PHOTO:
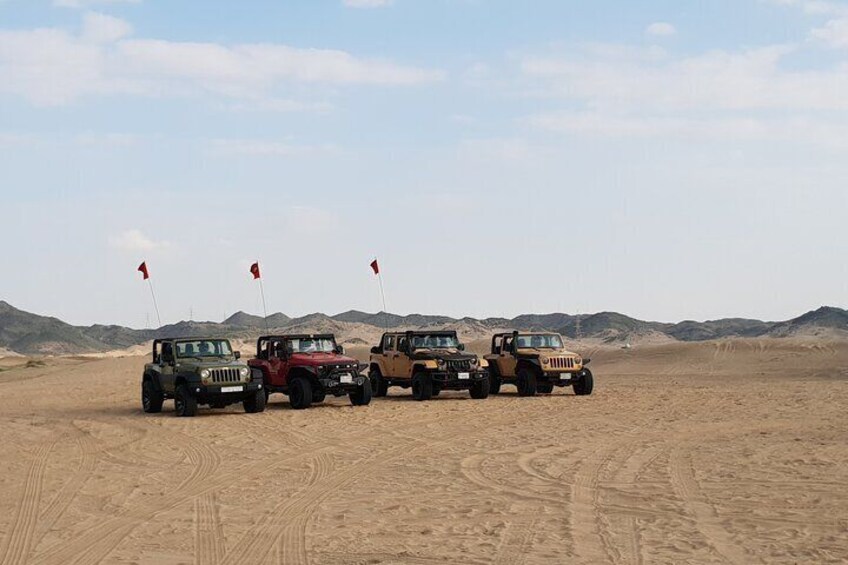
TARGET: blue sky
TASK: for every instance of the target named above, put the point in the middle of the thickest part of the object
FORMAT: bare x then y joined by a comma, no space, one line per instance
668,160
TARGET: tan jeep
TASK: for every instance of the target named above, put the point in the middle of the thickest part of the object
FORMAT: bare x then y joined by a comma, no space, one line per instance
428,362
536,362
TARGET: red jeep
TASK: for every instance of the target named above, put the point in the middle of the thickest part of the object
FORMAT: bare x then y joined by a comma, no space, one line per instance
307,368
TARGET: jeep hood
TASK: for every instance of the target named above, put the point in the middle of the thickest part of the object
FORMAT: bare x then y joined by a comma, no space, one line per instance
211,363
446,354
315,359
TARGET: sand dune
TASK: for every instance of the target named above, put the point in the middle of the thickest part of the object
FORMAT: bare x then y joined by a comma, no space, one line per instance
715,452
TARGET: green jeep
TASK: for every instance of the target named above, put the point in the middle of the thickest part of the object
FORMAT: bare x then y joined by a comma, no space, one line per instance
196,371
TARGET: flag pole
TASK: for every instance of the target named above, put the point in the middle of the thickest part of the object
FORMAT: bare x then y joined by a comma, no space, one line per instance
155,305
382,294
264,307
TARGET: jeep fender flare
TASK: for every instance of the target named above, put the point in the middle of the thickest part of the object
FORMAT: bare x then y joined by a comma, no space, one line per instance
153,378
372,366
420,367
308,373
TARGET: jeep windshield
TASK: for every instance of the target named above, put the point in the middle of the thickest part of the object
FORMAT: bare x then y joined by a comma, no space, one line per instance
311,345
436,341
204,348
539,341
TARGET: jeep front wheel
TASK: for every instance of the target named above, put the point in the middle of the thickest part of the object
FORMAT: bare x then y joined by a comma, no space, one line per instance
585,384
480,389
151,399
379,385
185,404
362,396
255,403
422,386
300,393
494,383
526,382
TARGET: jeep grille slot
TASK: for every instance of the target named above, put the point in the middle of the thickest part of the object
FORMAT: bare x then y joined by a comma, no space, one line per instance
562,363
463,366
224,375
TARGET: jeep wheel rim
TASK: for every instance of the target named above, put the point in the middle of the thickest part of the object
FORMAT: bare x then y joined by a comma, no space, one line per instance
296,395
179,405
145,397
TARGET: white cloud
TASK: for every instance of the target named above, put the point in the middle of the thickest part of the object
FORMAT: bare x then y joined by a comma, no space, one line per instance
661,29
53,67
834,33
88,3
262,148
134,240
100,28
367,3
717,80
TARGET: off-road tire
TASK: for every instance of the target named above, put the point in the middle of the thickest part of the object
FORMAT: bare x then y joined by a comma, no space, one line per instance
151,399
584,385
255,403
362,396
379,385
318,396
544,388
525,381
300,393
422,386
437,390
185,403
480,389
494,382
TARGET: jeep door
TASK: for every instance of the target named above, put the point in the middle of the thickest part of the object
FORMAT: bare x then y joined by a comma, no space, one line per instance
389,355
167,364
402,363
277,362
506,359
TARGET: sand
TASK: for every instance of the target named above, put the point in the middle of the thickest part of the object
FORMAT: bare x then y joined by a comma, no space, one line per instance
733,451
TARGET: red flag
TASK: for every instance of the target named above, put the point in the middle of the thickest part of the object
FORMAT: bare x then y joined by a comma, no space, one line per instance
143,270
375,266
254,270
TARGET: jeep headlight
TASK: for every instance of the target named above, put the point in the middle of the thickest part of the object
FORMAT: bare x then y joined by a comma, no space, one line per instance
474,361
244,371
204,374
544,360
578,360
441,363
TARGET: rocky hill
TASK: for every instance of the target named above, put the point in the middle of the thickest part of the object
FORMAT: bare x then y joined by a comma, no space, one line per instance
25,333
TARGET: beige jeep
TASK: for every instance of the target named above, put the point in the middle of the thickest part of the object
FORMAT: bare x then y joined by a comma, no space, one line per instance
428,362
536,362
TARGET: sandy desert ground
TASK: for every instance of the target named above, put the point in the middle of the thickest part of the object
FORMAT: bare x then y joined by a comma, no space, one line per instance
717,452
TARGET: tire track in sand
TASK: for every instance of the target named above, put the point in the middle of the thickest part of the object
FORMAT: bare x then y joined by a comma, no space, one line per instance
706,520
19,541
208,534
96,543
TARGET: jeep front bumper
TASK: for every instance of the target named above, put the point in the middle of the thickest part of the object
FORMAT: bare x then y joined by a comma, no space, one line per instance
339,383
234,390
453,381
559,378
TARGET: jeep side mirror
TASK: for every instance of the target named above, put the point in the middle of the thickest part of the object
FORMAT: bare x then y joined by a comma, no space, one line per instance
237,354
461,347
375,350
339,349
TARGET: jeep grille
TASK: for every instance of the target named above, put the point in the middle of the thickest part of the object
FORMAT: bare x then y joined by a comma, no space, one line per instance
463,366
224,375
562,363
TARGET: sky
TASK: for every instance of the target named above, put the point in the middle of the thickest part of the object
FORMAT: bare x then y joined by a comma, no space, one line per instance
668,160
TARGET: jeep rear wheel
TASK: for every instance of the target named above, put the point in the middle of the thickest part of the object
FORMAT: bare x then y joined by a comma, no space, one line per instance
422,386
526,382
480,389
544,388
379,385
585,384
300,393
151,399
362,396
185,404
255,403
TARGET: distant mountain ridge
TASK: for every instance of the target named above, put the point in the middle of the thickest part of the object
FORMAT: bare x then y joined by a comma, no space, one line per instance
28,334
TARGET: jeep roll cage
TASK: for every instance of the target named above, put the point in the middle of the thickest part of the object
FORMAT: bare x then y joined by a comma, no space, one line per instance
160,341
409,334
